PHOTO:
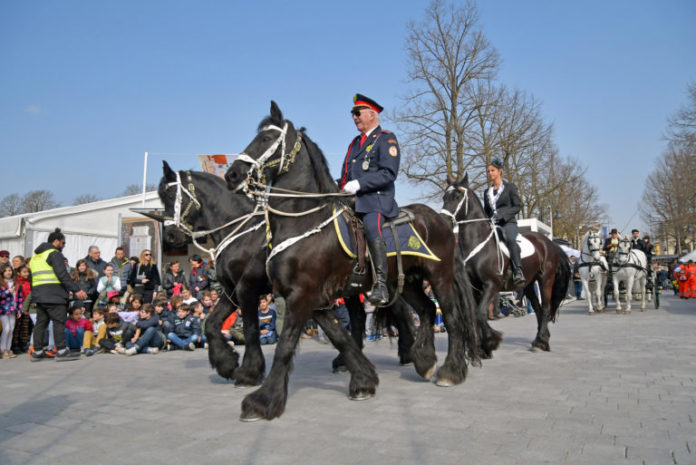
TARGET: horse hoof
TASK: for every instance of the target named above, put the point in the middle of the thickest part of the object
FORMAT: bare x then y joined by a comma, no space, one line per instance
429,374
591,312
361,396
444,383
243,386
250,418
534,349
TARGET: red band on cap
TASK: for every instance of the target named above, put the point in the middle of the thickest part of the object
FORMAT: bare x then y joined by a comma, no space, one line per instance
362,103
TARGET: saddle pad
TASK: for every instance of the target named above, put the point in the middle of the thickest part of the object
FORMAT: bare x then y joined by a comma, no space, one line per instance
409,240
526,247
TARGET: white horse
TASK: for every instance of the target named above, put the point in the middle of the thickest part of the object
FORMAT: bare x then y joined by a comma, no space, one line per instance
629,265
593,270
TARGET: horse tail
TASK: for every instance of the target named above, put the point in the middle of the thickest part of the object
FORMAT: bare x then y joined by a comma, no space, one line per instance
561,281
466,306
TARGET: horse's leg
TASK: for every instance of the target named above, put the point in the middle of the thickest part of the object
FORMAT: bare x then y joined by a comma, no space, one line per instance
642,283
253,366
629,292
490,338
223,358
542,311
363,380
400,314
356,311
269,400
615,281
453,371
423,351
601,283
588,292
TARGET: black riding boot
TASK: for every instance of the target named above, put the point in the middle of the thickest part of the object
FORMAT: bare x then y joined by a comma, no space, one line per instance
378,253
518,280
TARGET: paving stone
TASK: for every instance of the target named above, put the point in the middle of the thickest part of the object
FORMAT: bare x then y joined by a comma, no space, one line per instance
614,389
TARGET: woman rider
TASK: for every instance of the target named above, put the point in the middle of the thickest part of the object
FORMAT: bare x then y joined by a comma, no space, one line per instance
501,202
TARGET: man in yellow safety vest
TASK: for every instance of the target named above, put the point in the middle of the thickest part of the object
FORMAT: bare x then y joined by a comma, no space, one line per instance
51,287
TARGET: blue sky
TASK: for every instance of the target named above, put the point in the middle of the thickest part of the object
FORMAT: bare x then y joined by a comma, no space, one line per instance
88,86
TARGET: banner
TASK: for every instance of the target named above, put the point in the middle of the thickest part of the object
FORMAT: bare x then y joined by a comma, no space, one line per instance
216,164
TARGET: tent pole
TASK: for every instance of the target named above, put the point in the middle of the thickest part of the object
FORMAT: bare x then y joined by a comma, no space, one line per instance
144,178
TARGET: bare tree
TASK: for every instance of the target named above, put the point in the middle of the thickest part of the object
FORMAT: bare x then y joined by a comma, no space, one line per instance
11,205
669,198
134,189
39,200
85,198
448,57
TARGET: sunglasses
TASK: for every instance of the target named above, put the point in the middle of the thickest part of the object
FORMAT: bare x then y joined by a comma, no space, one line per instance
355,112
147,255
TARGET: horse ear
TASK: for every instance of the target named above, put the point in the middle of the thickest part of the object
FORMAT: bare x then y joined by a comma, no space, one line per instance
276,114
450,180
169,174
465,180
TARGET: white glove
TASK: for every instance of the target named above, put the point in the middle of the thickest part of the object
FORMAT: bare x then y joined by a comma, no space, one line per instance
352,187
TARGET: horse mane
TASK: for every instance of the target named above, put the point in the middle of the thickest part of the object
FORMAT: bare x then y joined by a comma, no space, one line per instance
321,169
475,201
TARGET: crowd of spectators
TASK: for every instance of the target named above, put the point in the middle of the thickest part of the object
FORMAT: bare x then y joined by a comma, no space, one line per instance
129,309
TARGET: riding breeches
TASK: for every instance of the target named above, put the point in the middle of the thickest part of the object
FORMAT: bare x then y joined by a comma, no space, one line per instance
510,235
373,222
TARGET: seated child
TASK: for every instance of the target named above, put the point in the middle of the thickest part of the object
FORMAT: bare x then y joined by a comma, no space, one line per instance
117,333
147,338
198,313
188,298
113,297
267,322
77,326
166,316
232,328
207,301
90,344
186,330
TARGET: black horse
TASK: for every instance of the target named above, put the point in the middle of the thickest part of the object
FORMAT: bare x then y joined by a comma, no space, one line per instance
240,266
548,266
314,271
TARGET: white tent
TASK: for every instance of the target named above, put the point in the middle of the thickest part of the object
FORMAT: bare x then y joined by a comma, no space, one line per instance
95,223
690,256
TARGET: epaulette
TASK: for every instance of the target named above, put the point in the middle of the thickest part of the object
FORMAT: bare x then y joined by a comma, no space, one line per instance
386,131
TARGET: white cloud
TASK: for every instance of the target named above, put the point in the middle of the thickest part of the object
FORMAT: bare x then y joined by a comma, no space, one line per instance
33,109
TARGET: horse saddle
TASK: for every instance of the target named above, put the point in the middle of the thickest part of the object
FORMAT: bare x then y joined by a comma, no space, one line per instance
526,247
407,238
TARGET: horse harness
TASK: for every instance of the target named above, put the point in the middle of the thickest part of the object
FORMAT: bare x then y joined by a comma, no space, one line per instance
594,262
455,228
260,190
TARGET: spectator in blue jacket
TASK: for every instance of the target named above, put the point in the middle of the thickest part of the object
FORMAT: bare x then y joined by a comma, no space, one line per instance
267,322
147,338
186,331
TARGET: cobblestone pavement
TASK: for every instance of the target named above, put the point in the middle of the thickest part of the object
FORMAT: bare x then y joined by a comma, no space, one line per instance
615,389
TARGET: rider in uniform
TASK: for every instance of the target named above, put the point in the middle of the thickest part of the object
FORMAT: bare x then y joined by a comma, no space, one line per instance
369,171
501,202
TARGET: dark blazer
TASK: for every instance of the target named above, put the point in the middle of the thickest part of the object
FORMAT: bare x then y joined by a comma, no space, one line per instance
376,192
508,204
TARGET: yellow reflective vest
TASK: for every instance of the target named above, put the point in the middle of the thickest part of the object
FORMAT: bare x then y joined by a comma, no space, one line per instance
41,272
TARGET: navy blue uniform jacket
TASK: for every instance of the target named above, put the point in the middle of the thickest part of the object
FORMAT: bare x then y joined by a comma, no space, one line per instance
508,204
376,192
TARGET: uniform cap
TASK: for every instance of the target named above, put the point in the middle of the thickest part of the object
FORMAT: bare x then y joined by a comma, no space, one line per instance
360,101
